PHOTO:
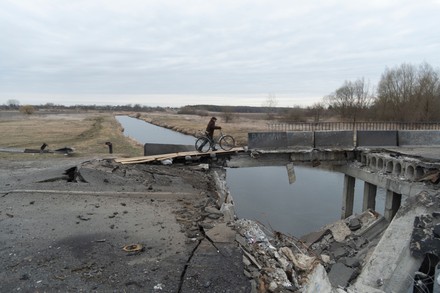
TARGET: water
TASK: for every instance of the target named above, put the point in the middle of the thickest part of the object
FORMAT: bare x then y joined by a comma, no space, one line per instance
264,193
314,200
145,132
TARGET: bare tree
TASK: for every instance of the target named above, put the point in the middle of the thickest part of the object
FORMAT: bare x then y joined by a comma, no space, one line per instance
409,93
13,103
316,110
270,104
351,99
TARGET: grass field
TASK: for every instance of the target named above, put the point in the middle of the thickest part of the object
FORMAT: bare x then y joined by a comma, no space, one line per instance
85,132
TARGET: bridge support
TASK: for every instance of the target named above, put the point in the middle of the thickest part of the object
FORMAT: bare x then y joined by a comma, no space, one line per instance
392,204
369,200
348,196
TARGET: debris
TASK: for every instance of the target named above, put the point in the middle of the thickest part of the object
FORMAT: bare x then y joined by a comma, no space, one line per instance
291,173
339,230
354,224
167,162
340,275
133,248
114,215
81,217
423,238
299,260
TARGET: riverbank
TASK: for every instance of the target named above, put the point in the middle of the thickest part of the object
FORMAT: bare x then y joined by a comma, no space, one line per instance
237,125
86,133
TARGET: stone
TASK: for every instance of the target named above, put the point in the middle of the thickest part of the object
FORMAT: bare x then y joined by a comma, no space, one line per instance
354,224
325,258
351,262
340,275
437,231
221,233
212,210
339,252
339,230
313,237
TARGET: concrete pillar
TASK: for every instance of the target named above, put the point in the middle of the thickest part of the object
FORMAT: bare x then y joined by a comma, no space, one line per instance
348,196
392,204
369,201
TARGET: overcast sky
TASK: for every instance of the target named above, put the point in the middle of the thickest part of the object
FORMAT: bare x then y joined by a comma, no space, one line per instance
175,53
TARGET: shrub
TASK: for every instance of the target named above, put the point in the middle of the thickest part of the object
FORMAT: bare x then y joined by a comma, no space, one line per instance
27,109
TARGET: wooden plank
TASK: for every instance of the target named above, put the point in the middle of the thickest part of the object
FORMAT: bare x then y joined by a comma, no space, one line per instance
146,159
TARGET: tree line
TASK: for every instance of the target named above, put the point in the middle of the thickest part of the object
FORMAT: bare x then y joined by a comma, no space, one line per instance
404,93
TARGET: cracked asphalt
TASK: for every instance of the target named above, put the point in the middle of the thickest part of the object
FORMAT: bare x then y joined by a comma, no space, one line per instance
65,221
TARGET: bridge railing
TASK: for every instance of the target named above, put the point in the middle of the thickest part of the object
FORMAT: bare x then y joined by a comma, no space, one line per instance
335,126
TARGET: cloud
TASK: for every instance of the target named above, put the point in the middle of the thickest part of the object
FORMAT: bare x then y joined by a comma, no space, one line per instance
212,48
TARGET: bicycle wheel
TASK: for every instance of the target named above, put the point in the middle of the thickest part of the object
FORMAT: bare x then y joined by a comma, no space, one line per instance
202,144
227,142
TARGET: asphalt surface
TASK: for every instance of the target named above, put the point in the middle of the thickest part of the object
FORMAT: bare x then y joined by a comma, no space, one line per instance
69,225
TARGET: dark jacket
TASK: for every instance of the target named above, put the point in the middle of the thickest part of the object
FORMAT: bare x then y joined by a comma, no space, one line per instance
211,127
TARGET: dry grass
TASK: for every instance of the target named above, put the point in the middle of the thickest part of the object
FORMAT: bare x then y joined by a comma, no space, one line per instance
86,133
238,127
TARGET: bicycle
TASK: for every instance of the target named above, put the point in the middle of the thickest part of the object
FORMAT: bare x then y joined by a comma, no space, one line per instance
204,143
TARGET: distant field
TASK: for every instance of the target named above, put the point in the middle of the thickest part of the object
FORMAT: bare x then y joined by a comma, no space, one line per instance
85,132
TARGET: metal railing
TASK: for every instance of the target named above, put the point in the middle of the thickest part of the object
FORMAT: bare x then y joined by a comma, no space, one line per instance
339,126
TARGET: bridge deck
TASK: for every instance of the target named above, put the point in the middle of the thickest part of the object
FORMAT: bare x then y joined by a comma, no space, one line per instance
161,157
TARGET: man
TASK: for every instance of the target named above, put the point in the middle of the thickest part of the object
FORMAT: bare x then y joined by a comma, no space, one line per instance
210,131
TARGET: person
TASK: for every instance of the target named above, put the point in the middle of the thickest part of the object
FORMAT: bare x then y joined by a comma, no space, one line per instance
210,131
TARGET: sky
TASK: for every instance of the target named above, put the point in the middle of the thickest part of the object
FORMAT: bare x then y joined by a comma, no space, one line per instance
187,52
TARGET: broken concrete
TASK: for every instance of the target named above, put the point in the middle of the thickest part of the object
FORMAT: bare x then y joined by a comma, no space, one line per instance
59,234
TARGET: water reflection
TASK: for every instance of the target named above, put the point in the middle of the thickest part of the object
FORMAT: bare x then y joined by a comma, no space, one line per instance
145,132
314,200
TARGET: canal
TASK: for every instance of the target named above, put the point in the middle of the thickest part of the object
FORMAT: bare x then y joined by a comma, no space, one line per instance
264,194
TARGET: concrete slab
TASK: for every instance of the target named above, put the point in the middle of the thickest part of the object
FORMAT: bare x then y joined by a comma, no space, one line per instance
334,139
390,265
221,233
313,237
202,273
340,274
376,138
418,137
267,140
300,139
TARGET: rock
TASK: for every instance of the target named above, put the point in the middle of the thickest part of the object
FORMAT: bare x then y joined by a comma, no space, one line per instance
325,258
339,252
212,210
351,262
340,275
437,231
221,233
339,230
354,224
300,261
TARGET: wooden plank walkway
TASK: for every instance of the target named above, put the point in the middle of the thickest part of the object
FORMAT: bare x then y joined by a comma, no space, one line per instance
156,158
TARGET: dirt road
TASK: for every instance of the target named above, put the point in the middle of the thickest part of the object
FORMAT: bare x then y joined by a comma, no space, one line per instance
91,225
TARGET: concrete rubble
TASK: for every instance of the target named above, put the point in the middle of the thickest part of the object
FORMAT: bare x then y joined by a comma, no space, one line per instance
191,206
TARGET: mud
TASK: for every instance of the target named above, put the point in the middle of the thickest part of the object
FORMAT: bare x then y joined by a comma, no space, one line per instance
64,223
